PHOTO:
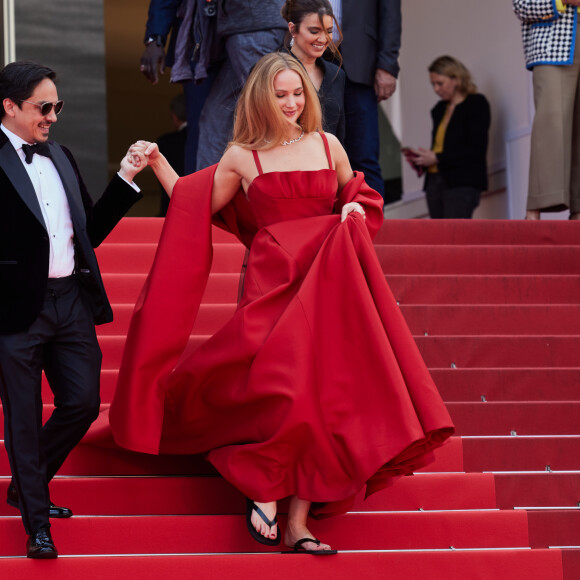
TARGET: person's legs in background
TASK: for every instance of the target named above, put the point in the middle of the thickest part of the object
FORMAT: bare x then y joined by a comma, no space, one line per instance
217,117
362,133
459,203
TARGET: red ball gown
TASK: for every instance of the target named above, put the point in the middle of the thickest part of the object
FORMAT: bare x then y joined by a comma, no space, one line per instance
315,386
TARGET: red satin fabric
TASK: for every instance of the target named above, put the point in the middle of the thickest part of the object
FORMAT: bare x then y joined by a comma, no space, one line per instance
315,387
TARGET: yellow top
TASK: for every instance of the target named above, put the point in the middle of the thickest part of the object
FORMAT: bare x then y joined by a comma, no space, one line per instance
438,142
561,7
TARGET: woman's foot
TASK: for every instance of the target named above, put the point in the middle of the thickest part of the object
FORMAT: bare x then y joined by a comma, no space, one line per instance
297,533
270,532
533,214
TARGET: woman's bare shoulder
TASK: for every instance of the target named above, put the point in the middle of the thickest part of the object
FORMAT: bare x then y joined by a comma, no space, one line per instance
236,161
235,155
336,149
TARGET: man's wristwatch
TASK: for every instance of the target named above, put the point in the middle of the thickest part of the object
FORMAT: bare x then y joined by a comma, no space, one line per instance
155,38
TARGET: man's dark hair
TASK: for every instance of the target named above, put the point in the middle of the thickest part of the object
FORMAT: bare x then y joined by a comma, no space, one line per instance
19,79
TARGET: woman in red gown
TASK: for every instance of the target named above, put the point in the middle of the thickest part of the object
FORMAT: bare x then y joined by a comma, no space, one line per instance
315,388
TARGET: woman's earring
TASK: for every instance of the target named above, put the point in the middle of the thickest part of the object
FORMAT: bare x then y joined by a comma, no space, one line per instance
291,42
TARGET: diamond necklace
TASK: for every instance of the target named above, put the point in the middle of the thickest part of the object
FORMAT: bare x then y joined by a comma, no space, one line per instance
293,140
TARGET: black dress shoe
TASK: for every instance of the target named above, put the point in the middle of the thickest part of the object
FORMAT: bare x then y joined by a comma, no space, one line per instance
40,545
54,511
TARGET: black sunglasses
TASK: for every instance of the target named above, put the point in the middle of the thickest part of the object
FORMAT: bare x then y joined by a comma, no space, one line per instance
46,108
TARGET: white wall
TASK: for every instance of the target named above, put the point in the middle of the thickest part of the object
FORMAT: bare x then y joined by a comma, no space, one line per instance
485,36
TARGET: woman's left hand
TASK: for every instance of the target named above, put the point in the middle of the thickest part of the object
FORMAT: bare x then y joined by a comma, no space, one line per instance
425,157
349,208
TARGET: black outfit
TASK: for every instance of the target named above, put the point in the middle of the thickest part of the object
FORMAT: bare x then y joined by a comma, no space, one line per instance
331,96
48,324
454,191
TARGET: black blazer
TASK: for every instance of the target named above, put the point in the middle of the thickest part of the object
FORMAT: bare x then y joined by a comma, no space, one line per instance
372,38
24,244
331,95
463,161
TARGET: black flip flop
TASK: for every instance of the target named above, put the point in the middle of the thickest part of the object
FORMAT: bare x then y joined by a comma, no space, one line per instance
252,507
298,549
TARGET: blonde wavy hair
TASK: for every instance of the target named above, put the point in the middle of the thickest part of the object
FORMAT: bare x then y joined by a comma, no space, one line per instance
259,121
454,69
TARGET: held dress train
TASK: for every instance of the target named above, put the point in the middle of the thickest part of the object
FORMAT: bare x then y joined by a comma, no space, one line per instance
315,386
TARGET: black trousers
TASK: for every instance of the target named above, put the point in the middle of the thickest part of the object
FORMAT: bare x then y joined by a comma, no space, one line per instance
62,342
449,202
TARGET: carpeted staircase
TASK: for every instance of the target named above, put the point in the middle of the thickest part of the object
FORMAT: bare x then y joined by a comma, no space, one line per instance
495,309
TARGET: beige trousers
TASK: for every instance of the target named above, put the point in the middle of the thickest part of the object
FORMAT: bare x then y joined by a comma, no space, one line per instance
555,150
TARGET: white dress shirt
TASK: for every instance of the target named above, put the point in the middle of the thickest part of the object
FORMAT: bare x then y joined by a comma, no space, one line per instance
54,206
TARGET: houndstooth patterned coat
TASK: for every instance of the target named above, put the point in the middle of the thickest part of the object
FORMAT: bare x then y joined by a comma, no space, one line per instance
548,35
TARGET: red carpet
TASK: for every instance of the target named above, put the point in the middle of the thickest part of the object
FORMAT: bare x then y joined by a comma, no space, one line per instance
494,307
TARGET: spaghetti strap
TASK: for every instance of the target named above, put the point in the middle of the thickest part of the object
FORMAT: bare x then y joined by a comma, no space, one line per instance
327,148
257,160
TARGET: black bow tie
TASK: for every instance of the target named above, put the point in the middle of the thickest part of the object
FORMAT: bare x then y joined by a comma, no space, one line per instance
39,148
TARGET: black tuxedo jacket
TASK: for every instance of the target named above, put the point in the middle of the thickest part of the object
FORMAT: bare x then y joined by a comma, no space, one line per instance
24,243
372,38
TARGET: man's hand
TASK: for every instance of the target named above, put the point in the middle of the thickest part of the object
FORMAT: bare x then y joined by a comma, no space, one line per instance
152,60
385,84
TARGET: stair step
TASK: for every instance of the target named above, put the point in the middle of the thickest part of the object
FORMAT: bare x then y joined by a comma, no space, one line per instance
412,232
521,453
228,533
467,384
501,384
443,351
487,418
521,417
422,319
124,288
148,230
112,348
527,490
441,259
467,288
454,564
93,460
499,351
184,495
554,528
212,495
477,232
480,319
138,257
210,318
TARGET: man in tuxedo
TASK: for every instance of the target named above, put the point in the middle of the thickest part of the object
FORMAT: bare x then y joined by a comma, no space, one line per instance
370,52
51,292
